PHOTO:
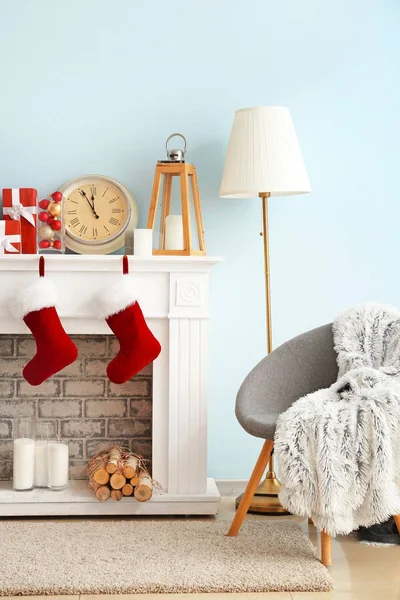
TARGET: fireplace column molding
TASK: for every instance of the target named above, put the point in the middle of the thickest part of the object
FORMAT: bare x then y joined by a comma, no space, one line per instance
188,341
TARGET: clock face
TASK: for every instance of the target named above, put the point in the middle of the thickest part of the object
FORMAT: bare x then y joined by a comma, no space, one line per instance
96,211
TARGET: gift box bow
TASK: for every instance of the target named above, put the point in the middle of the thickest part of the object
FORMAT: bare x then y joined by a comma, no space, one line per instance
7,241
17,210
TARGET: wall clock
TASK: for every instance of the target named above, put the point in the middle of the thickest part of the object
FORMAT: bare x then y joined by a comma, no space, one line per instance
99,212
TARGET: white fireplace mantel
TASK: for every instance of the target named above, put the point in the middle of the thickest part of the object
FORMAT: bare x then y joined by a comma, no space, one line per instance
174,295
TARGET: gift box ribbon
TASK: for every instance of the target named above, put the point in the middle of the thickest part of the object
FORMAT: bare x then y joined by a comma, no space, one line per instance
17,210
7,241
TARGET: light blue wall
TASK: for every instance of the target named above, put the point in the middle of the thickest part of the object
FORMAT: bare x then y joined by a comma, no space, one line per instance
96,86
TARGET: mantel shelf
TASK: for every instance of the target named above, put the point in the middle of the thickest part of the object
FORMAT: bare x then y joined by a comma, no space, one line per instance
165,286
108,263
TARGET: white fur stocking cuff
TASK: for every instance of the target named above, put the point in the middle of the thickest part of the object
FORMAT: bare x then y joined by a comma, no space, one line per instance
117,297
37,295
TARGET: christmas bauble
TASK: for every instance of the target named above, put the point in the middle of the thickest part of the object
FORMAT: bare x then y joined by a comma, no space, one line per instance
46,232
56,225
44,244
44,217
54,209
57,196
50,220
44,204
57,244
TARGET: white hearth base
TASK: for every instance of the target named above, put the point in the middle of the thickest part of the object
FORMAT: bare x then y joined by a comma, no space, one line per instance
79,500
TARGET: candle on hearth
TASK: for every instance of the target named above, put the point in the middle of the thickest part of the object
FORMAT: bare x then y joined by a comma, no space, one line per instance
143,242
24,454
24,464
174,233
41,463
44,431
57,465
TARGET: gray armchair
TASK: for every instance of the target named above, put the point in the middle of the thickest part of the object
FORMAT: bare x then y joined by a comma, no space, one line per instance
300,366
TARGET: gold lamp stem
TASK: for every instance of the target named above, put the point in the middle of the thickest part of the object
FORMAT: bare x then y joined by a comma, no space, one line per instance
264,196
265,500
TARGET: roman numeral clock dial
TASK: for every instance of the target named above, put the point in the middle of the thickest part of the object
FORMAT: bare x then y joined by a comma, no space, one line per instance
98,211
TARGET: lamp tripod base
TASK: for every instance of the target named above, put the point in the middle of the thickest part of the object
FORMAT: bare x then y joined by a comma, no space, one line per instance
265,500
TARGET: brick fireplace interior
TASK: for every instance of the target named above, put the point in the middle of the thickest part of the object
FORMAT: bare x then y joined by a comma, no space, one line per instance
88,410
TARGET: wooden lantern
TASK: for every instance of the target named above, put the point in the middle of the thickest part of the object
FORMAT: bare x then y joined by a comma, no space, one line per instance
166,170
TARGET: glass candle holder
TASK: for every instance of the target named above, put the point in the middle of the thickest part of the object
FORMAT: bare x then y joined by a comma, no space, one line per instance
51,226
44,432
57,465
24,454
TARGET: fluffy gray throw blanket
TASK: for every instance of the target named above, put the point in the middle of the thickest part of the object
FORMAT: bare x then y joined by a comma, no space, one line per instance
338,449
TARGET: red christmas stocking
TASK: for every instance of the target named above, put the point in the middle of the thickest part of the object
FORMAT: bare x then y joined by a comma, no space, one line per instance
138,346
54,349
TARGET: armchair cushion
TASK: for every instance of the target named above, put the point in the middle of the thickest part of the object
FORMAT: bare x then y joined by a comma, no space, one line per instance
300,366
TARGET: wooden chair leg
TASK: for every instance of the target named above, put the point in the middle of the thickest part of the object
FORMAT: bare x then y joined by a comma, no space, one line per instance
255,478
326,549
397,521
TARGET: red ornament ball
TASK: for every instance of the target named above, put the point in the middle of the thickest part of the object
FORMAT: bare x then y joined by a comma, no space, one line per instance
44,217
57,196
56,225
44,204
57,244
44,244
50,220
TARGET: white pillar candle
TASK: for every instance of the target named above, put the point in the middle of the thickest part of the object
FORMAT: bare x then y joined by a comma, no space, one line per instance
24,464
41,463
143,242
57,465
174,232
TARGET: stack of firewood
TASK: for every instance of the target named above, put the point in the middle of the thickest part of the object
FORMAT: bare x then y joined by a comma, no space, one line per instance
117,473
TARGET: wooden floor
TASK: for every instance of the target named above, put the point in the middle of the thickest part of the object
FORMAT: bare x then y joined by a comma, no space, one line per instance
359,572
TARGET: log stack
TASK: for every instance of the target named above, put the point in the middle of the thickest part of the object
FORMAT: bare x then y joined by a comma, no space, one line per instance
117,473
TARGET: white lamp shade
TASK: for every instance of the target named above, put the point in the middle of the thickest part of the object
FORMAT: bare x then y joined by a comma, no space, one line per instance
263,155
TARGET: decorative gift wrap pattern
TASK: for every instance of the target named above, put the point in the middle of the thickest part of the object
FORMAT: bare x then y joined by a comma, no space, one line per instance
19,204
10,237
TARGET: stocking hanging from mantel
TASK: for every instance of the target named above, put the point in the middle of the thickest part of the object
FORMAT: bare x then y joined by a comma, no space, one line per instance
122,312
35,304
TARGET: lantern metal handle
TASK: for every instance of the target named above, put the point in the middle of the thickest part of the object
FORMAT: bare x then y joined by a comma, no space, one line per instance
173,135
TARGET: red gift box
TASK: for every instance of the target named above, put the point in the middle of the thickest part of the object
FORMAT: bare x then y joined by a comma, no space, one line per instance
10,237
19,204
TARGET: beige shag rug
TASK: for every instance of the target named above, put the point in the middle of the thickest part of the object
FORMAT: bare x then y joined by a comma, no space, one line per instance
143,556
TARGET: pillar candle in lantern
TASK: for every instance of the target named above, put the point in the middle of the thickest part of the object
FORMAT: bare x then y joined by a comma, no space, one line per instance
174,233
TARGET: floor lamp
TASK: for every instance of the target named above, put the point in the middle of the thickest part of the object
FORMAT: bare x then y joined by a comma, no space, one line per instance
263,160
